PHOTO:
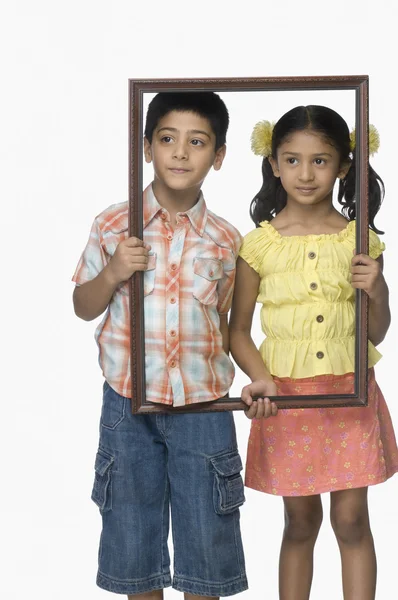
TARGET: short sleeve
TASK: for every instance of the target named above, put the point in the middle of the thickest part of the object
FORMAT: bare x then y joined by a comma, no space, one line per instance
93,260
252,249
376,246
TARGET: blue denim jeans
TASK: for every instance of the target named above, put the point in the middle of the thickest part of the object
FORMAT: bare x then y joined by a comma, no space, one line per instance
149,465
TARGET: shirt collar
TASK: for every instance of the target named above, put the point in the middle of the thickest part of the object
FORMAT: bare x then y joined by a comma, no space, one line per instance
197,214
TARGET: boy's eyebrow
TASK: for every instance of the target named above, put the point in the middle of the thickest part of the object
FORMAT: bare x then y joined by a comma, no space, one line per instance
194,131
316,154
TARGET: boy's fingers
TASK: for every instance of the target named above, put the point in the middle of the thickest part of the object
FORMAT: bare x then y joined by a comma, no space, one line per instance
134,242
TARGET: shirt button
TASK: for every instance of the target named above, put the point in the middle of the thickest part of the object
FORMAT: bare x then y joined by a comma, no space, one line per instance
173,267
173,300
311,255
320,355
169,237
211,273
319,318
163,216
173,364
313,285
173,333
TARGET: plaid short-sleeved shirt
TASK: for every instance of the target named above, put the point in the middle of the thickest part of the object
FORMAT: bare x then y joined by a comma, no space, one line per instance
188,284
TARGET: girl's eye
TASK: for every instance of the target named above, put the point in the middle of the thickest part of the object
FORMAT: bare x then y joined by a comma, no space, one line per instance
167,139
292,160
197,142
320,161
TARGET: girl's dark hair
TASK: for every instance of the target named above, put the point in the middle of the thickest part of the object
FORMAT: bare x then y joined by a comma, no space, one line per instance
205,104
272,197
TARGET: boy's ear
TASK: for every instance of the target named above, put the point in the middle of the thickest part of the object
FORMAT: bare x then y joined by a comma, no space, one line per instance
219,158
344,168
147,151
274,166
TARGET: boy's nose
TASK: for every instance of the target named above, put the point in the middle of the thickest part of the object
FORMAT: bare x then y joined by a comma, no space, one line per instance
180,151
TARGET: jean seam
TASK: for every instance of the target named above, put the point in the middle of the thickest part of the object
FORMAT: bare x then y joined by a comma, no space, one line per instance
238,554
163,513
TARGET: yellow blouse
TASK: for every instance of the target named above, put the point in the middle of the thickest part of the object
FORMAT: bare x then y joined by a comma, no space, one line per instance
308,303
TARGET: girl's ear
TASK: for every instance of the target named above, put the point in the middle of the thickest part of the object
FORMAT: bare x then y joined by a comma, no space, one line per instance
344,168
219,158
274,166
147,151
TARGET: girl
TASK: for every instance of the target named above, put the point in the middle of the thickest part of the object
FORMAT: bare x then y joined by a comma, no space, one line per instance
300,264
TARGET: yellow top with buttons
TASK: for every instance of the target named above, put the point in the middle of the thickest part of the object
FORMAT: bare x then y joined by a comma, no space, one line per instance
308,303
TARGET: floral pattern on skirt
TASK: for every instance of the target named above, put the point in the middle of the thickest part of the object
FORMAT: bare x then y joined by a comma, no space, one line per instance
308,451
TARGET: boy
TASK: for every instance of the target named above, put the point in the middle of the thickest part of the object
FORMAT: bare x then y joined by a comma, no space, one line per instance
190,462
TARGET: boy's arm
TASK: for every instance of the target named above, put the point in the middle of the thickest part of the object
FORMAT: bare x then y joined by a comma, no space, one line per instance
91,299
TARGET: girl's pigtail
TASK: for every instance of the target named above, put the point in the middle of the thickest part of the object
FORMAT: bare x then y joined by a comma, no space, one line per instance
270,199
347,197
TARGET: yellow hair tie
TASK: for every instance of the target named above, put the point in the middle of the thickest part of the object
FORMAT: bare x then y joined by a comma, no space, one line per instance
261,138
374,140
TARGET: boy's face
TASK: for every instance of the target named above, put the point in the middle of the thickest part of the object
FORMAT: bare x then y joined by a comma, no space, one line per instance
183,150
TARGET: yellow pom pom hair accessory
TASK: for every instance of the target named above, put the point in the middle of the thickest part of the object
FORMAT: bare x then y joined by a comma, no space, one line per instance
261,138
374,140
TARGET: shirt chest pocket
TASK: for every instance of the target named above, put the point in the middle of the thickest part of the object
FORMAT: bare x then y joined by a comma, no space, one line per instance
207,274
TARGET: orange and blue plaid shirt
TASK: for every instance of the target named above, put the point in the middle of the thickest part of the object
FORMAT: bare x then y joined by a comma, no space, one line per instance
188,284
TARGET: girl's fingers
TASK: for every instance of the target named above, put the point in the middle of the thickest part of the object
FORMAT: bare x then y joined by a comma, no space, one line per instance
252,411
363,259
361,269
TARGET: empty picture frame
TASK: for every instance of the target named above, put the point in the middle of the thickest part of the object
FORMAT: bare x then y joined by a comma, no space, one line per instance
139,91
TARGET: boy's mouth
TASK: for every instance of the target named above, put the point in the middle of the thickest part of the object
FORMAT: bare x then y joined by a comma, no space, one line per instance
179,171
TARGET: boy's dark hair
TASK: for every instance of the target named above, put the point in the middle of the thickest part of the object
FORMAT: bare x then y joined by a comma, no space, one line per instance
205,104
272,197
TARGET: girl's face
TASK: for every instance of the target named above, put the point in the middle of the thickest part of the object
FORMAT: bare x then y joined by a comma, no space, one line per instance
308,167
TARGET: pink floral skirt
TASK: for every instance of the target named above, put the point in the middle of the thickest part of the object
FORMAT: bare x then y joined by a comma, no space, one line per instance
308,451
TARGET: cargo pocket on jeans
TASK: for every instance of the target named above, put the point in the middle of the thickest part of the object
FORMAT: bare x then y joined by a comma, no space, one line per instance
102,489
228,491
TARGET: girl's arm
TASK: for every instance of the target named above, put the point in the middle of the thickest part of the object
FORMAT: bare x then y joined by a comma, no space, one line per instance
243,349
367,274
224,333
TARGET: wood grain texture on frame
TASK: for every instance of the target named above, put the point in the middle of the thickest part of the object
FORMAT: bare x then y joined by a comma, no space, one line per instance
137,88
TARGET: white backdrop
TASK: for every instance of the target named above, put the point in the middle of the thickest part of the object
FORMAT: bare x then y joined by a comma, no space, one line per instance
63,152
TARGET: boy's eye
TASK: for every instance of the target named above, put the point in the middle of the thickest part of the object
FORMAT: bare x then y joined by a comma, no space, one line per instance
292,160
167,139
320,161
197,142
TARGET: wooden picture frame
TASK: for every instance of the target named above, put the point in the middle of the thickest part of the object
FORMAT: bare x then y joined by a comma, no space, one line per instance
137,87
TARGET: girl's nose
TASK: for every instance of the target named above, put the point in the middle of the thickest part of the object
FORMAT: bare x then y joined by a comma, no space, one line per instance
306,172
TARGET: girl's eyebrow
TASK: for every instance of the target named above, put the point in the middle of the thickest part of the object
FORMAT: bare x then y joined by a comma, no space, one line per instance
316,154
191,131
